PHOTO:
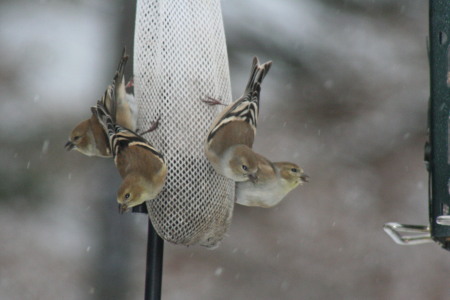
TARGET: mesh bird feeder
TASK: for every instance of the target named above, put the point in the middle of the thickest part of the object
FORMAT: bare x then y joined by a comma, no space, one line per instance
437,150
180,57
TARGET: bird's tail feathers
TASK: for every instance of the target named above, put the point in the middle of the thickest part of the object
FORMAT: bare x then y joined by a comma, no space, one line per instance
253,74
262,71
257,74
115,86
121,67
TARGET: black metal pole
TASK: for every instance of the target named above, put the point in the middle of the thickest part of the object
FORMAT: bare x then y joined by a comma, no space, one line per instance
437,150
153,272
154,264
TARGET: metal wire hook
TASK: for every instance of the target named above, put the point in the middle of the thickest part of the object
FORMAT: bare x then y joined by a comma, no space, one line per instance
404,234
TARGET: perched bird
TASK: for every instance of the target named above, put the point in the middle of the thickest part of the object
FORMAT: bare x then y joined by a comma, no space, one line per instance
274,182
231,136
141,166
88,137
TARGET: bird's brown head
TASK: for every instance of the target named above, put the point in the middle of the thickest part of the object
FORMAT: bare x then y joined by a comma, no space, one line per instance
291,173
244,164
78,137
131,193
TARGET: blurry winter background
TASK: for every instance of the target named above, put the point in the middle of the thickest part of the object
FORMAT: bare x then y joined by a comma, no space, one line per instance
346,99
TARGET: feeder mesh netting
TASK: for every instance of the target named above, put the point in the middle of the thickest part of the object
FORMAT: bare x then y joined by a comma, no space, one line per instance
180,57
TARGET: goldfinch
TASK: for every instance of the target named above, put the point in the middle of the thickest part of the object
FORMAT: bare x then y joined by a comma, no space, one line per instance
231,136
141,166
274,181
88,136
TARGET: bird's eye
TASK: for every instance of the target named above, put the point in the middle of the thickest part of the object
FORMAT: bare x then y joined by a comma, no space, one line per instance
127,195
295,170
76,138
244,167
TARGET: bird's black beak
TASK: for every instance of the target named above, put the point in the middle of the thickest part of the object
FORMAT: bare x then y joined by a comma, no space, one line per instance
304,178
253,178
122,208
69,145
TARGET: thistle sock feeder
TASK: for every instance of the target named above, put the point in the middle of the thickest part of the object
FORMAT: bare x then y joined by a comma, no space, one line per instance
437,151
180,57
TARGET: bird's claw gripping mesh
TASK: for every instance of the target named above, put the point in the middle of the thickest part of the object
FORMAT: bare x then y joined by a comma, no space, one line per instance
180,57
